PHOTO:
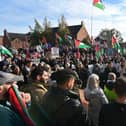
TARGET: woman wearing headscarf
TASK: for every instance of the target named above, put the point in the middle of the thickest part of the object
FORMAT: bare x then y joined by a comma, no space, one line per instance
96,97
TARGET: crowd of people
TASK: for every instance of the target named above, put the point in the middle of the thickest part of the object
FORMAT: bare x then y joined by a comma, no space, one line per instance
65,91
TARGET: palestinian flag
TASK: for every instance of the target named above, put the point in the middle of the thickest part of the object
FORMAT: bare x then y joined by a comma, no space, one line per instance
69,39
113,40
98,4
5,51
81,45
58,37
19,105
115,44
98,52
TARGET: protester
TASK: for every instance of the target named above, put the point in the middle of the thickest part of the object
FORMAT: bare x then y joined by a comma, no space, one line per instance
26,71
109,68
13,109
37,89
82,65
114,114
109,87
96,97
122,67
60,106
83,73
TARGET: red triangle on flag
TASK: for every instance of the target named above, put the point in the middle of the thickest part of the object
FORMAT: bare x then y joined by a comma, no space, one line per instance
97,48
95,1
113,40
77,43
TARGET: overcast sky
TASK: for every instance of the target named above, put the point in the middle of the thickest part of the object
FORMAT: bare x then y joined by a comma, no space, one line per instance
17,15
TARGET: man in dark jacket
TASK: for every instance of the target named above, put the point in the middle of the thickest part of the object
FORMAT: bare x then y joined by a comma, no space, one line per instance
60,106
114,114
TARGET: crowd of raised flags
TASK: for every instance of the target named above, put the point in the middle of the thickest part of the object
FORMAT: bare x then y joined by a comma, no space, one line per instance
99,50
73,42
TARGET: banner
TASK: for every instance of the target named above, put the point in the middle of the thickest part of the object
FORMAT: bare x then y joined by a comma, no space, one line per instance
54,52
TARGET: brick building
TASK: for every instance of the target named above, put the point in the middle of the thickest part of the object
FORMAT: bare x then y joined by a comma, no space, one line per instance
1,40
19,40
15,40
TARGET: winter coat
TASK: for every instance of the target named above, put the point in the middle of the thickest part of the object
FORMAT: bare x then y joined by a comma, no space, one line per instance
96,98
9,117
113,114
63,108
37,90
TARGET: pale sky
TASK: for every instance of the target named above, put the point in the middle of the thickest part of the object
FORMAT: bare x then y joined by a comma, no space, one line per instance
17,15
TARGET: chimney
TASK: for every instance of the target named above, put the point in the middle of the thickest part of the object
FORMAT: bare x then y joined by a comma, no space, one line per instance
5,32
82,23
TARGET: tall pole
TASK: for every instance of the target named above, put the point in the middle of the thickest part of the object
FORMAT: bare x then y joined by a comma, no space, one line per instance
91,20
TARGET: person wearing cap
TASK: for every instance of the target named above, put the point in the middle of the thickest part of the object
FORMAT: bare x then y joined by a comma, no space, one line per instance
13,108
114,114
60,106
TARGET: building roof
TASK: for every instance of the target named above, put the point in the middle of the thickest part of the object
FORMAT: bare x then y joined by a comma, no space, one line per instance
13,36
73,32
73,29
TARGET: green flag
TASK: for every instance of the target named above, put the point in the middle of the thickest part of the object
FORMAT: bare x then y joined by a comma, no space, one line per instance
5,51
83,46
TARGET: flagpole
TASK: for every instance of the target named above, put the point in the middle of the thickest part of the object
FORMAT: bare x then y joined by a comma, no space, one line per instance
91,20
